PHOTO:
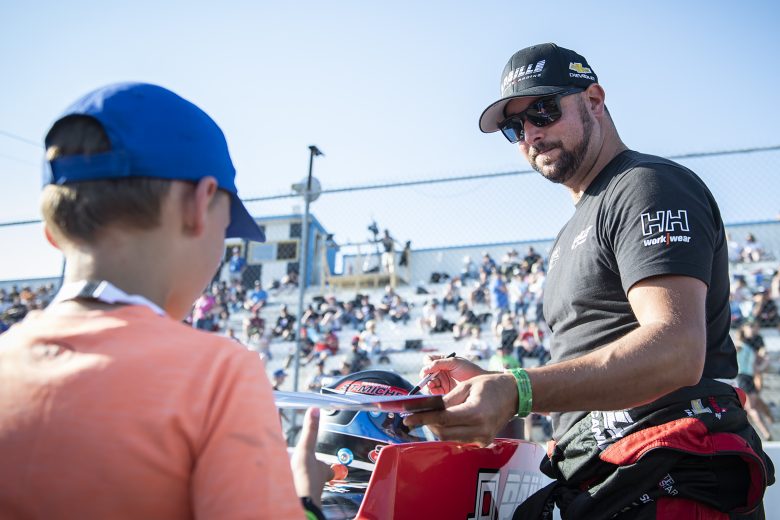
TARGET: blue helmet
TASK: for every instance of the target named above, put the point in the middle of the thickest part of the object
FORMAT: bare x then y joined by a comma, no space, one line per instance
355,438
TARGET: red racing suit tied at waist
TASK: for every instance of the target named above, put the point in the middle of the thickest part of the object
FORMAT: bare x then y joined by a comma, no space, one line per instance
698,446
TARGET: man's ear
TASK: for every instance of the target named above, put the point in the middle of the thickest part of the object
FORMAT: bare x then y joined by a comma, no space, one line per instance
197,203
595,99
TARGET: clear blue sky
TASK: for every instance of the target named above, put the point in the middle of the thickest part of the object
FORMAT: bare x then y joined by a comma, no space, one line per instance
389,90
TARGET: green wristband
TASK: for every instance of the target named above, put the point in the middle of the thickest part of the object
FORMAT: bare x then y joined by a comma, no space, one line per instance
524,394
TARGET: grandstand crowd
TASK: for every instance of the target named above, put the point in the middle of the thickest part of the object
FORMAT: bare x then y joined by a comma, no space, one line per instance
489,312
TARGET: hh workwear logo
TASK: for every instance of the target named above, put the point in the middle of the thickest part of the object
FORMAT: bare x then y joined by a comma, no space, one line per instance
664,222
521,73
577,67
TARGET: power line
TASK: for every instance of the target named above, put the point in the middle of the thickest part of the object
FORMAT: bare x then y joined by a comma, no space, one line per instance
20,139
20,223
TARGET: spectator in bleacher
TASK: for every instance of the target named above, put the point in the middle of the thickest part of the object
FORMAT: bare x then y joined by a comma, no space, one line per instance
741,296
27,296
202,314
285,325
507,333
477,348
366,311
358,358
509,262
532,257
734,249
279,378
504,359
488,265
500,294
764,311
384,304
531,339
349,315
326,345
256,297
315,383
370,343
748,345
451,295
399,310
518,293
466,320
479,293
253,326
236,295
331,303
774,286
236,266
752,250
535,292
469,270
432,320
5,300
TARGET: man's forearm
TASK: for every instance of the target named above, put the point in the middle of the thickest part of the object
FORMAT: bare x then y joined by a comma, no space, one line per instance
643,365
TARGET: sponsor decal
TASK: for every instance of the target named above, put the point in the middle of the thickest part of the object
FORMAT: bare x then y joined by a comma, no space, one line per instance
494,501
579,68
581,237
607,427
554,257
716,407
532,70
665,223
345,456
369,388
667,484
697,408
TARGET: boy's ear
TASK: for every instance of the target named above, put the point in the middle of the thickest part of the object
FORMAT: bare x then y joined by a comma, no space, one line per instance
50,237
198,201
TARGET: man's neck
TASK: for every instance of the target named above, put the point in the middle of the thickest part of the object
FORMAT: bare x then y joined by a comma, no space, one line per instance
610,149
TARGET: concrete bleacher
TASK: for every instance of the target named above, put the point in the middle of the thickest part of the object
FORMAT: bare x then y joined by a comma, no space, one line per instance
394,335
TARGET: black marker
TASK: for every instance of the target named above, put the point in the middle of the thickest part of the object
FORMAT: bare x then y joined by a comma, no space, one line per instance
426,379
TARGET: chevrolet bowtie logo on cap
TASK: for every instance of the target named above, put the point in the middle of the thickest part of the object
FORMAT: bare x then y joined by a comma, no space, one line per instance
577,67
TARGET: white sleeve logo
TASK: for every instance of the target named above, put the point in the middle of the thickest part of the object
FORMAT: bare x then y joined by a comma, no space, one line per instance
664,222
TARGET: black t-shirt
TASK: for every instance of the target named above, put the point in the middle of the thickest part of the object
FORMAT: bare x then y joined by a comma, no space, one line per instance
642,216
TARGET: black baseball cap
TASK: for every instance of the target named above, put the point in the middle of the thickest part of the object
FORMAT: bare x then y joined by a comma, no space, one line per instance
539,70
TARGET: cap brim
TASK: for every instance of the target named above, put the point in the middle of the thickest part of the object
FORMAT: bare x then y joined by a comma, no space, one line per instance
242,225
494,114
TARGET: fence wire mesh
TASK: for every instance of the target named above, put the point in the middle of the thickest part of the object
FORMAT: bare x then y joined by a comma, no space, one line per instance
368,308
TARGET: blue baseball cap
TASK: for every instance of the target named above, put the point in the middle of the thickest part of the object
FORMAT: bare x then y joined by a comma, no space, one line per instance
154,133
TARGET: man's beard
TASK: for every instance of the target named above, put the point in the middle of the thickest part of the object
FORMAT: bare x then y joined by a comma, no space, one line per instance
568,161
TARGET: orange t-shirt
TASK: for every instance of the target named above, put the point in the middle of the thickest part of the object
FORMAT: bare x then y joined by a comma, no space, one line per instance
127,414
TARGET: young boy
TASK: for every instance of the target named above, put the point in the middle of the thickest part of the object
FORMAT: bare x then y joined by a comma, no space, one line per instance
110,407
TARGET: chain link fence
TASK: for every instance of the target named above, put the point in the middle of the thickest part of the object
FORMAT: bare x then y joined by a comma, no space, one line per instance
435,228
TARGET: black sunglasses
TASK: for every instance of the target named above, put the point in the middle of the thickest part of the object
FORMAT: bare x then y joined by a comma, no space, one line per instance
542,112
